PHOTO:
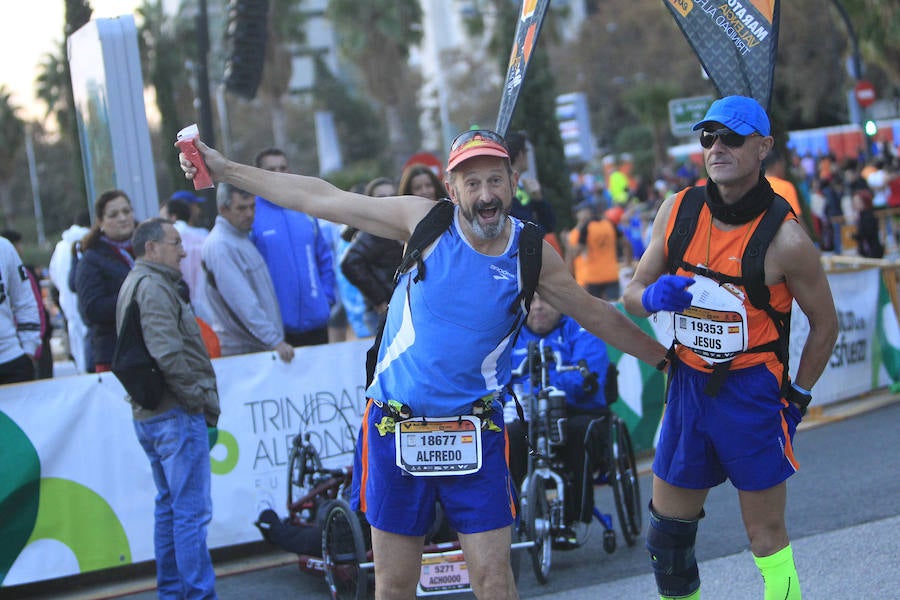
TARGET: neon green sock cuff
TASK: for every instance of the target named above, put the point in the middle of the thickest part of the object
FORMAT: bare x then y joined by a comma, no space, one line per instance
780,575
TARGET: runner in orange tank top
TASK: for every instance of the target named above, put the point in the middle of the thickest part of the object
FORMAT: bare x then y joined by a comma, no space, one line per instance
731,410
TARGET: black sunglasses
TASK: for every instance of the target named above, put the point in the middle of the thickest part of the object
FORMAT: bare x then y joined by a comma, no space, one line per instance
728,137
476,134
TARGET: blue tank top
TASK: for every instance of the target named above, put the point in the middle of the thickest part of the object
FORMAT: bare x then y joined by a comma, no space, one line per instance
448,337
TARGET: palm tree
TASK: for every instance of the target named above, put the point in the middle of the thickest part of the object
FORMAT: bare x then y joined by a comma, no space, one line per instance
50,87
164,50
12,139
285,33
376,36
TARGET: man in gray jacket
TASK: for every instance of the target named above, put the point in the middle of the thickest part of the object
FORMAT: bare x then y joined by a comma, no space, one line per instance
239,288
176,436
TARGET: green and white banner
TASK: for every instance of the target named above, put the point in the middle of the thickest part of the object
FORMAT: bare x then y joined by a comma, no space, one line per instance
76,493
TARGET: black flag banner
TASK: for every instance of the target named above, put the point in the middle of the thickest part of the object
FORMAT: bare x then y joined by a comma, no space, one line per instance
735,40
527,30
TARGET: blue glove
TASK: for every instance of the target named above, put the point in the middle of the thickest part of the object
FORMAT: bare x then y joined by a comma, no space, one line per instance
669,292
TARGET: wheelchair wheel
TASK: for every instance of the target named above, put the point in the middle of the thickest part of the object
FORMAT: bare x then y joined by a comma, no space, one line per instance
537,519
300,464
623,478
343,549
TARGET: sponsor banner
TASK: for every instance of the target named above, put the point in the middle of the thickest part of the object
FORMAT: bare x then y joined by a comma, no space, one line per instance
735,40
849,371
527,30
76,492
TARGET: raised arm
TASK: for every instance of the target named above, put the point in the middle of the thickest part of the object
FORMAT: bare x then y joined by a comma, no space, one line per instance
600,317
387,217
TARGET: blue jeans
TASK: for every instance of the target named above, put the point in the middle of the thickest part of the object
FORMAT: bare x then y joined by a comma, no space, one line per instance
178,448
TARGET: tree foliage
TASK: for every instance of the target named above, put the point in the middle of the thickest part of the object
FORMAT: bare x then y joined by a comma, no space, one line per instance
164,43
12,140
376,37
877,25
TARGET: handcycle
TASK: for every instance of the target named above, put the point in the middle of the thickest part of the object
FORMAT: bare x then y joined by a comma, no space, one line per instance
318,501
547,484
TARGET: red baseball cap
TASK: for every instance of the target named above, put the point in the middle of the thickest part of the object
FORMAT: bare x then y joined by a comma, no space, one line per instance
476,142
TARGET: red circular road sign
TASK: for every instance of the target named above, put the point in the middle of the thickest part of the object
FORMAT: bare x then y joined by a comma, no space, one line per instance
864,92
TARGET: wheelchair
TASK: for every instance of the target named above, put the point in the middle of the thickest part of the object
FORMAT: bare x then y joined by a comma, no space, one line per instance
548,484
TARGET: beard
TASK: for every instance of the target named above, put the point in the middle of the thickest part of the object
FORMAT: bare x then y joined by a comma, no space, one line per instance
489,231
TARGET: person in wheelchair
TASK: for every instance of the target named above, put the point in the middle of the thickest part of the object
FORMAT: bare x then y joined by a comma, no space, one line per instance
586,392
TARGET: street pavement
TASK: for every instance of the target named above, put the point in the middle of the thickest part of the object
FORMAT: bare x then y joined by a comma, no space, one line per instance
856,563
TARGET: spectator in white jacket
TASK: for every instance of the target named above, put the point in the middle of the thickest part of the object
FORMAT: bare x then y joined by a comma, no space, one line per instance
20,321
61,267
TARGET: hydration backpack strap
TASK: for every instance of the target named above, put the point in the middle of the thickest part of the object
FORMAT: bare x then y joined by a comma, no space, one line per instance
531,246
685,224
432,225
753,272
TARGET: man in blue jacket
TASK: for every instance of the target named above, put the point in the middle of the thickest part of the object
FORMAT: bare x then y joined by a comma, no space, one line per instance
299,260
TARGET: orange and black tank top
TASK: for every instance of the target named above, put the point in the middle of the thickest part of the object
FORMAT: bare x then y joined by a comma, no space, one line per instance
721,251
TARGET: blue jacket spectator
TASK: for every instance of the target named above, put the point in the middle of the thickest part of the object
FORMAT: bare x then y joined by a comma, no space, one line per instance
299,259
300,263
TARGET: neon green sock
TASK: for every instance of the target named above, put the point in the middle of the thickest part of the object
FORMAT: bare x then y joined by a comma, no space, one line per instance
694,596
780,575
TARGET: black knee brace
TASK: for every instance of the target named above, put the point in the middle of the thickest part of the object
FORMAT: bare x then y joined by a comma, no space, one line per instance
671,546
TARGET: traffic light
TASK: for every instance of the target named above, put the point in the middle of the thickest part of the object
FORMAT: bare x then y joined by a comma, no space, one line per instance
246,42
870,127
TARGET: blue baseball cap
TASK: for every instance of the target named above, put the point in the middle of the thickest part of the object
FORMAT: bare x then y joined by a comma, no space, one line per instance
186,196
740,114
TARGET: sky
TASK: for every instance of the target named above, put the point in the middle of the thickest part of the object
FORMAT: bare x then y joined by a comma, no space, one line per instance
34,28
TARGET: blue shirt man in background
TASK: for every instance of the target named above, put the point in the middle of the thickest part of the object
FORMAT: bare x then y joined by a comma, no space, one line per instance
299,260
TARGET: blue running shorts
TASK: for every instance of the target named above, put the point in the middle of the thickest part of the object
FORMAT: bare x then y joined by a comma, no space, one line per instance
397,502
743,434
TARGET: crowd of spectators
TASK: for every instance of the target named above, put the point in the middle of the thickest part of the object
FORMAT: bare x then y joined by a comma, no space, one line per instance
852,206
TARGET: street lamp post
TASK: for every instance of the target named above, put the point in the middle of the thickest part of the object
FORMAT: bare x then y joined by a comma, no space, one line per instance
857,69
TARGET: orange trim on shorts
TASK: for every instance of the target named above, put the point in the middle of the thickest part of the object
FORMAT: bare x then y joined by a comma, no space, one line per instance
509,490
788,447
364,457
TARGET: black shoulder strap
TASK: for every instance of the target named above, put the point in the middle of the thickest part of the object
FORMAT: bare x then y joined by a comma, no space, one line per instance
685,224
753,261
131,332
432,225
531,246
211,282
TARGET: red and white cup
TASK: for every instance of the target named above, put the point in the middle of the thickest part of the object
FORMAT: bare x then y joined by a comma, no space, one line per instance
185,142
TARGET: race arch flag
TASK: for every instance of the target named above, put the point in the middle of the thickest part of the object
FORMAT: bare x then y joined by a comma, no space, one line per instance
735,40
527,30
